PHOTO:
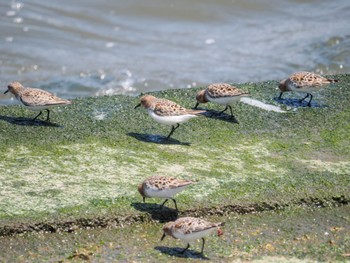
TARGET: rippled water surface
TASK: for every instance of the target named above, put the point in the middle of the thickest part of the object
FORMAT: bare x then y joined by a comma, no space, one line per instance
86,48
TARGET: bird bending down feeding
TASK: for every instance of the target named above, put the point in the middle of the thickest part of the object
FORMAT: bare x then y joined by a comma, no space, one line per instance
189,229
304,82
221,93
162,187
36,99
167,112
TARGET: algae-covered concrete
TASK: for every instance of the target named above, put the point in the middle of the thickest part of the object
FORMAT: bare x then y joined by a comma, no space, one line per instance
85,166
300,234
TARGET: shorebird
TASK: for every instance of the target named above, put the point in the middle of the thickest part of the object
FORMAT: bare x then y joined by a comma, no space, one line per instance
304,82
220,93
167,112
36,99
162,187
189,229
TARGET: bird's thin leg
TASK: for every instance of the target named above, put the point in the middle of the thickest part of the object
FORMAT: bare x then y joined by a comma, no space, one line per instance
171,132
175,203
195,107
37,116
173,128
221,112
183,251
280,97
233,116
203,245
309,104
48,115
307,95
231,111
164,203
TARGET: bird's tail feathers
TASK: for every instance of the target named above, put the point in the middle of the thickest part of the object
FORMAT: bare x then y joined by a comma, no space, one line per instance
333,80
197,112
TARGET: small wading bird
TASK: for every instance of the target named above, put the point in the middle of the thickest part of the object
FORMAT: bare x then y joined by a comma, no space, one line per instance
162,187
36,99
167,112
189,229
220,93
304,82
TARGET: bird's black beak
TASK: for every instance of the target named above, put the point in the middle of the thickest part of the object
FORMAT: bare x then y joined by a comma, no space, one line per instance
6,91
163,236
195,107
138,105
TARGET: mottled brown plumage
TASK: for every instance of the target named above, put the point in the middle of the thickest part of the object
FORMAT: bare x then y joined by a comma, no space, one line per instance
189,229
304,82
36,99
159,182
164,107
167,112
220,90
220,93
162,187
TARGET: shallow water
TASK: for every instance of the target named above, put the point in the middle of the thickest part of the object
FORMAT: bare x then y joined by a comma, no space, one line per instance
89,48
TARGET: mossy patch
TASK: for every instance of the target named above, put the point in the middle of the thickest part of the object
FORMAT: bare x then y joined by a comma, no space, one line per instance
295,234
91,159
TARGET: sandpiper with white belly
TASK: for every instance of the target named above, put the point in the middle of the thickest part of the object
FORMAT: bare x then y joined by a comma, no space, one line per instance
189,229
162,187
221,93
304,82
167,112
36,99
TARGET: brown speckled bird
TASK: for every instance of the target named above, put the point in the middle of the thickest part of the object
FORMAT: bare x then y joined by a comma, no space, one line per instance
36,99
304,82
221,93
167,112
162,187
189,229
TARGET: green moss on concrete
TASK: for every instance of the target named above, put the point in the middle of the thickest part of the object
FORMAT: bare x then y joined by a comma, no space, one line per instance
91,159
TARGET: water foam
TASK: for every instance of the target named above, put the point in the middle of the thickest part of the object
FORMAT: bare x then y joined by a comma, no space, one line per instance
262,105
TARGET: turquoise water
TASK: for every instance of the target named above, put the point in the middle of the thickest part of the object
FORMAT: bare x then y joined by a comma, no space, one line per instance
89,48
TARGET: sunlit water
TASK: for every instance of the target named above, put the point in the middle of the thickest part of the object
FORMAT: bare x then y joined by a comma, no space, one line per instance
88,48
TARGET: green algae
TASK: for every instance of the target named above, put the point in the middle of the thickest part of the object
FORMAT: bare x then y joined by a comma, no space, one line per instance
298,234
91,159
